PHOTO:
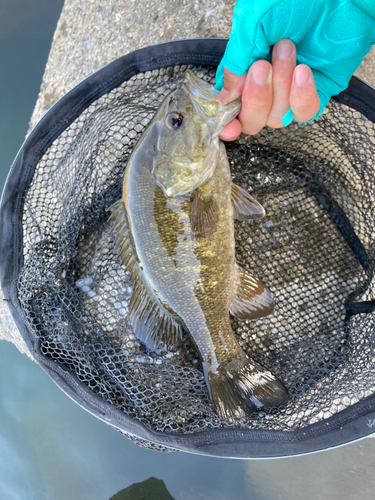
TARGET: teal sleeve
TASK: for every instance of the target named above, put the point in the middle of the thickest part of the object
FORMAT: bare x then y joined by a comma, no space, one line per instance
331,37
366,6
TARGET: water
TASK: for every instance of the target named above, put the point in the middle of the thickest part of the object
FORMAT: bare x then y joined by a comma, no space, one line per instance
50,449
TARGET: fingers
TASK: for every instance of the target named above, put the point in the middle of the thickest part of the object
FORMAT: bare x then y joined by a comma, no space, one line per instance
256,90
266,101
293,87
268,92
283,65
256,98
231,131
232,88
304,100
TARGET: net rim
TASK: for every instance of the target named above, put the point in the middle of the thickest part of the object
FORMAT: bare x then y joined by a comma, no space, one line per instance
351,424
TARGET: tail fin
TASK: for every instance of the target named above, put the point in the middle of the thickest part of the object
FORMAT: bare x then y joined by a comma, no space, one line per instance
243,386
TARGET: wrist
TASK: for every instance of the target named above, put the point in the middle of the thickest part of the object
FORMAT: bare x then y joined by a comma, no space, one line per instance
366,6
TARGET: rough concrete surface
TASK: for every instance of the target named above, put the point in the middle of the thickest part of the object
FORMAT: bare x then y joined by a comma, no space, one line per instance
92,33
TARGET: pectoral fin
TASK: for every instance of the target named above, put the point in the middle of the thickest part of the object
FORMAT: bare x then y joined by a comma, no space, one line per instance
152,324
252,299
244,205
204,215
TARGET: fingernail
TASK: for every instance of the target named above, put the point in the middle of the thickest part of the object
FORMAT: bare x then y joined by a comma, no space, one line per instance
223,96
301,75
260,73
284,49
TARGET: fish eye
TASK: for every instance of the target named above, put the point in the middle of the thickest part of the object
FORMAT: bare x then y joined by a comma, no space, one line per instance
174,121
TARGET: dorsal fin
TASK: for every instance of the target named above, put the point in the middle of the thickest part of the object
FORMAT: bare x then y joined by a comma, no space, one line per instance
244,205
152,324
204,214
252,299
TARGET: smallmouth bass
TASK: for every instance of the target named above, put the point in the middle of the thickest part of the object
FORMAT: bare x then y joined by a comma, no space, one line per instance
175,236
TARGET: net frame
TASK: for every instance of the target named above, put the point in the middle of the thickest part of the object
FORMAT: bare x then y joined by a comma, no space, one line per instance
350,424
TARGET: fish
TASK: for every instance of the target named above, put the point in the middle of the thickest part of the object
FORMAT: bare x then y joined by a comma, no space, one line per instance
174,233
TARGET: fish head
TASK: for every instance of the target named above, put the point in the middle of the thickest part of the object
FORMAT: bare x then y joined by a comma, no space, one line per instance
188,126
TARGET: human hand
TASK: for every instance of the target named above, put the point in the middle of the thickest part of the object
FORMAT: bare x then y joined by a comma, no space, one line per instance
331,39
269,91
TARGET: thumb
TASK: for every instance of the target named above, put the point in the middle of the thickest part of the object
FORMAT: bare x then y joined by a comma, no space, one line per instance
232,87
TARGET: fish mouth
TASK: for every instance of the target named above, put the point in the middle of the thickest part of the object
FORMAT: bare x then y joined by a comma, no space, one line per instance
232,108
205,90
224,113
199,87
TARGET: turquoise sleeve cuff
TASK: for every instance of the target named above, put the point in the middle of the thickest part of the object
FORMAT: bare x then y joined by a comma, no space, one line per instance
287,118
239,53
219,77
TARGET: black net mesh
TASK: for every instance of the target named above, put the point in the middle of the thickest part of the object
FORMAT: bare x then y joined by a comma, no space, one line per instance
314,250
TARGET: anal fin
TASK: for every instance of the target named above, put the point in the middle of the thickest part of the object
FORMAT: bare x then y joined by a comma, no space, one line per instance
152,324
245,207
252,298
